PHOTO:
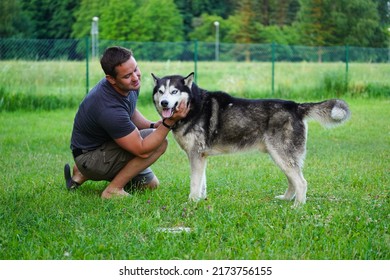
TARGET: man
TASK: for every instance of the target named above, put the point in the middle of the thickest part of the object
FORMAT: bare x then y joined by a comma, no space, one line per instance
111,140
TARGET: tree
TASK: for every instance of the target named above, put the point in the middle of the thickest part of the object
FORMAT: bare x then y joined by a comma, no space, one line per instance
150,20
274,12
61,23
283,12
245,24
285,35
117,20
315,22
193,10
14,22
157,21
319,22
50,18
293,10
204,28
357,23
343,22
83,16
383,7
222,8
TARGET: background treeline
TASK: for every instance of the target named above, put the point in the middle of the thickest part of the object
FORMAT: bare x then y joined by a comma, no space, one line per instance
362,23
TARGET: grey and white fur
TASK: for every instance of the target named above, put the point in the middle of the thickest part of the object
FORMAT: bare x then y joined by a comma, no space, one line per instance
218,123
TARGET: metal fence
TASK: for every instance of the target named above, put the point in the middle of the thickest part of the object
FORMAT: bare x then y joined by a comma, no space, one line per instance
81,50
70,49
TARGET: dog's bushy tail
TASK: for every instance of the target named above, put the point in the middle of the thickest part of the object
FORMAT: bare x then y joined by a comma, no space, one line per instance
328,113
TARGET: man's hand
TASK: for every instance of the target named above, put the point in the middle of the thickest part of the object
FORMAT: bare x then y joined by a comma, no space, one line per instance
157,124
180,112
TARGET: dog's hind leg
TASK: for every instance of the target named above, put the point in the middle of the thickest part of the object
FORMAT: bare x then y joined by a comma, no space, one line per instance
290,192
297,186
291,167
198,176
300,190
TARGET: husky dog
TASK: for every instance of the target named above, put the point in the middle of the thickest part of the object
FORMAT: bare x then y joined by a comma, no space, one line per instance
218,123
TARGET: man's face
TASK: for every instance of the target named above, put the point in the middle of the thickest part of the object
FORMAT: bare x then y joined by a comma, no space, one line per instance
128,77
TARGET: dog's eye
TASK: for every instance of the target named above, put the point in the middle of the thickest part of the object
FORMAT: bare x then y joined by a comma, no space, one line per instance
160,91
174,91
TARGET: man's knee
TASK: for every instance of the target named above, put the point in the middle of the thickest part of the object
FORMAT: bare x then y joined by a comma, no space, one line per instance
154,183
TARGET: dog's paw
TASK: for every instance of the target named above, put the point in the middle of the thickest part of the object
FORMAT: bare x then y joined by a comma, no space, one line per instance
282,197
194,198
297,204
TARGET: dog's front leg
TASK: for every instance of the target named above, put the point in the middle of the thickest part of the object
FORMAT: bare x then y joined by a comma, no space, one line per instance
204,186
198,176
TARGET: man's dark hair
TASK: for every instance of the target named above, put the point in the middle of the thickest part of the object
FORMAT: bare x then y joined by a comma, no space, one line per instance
113,57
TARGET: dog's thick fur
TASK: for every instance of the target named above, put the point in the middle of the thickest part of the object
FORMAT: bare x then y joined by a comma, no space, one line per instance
218,123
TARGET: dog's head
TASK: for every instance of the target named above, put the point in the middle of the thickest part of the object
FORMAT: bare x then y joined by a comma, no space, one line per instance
169,91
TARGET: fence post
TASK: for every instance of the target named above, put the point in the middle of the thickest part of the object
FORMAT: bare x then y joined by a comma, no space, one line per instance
346,66
86,65
273,68
196,60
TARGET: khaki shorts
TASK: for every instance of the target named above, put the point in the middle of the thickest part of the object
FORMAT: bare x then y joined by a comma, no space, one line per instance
105,162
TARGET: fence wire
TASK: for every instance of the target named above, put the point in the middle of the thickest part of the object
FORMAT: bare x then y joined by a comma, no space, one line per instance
72,49
272,63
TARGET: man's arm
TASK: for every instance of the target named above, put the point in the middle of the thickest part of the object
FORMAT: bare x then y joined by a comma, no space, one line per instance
139,120
144,147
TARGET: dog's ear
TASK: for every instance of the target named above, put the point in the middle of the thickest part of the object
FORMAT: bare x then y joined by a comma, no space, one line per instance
155,79
188,80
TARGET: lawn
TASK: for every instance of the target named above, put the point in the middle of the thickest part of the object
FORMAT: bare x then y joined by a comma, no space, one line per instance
346,215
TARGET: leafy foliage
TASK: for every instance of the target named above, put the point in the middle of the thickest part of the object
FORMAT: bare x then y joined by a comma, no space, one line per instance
50,18
205,28
309,22
116,23
14,21
357,23
83,16
157,21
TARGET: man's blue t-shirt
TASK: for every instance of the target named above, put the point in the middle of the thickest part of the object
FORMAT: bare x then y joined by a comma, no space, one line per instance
103,115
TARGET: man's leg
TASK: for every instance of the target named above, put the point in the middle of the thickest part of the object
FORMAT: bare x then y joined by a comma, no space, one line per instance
75,181
145,180
130,170
152,184
78,177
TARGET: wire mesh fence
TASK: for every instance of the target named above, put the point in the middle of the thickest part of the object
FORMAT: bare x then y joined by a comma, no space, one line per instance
275,69
80,49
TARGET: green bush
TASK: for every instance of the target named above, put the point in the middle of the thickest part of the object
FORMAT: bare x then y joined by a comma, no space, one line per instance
335,84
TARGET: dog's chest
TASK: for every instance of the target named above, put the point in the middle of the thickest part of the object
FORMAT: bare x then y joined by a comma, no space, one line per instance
192,140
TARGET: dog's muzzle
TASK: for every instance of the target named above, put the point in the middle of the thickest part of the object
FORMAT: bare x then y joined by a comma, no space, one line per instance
166,111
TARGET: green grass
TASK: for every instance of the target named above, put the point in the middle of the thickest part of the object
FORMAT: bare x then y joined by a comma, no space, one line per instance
62,84
346,215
